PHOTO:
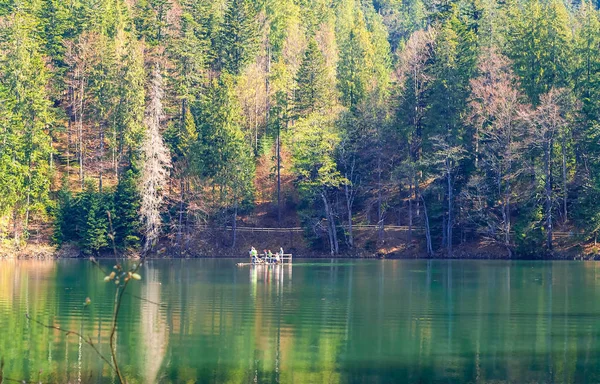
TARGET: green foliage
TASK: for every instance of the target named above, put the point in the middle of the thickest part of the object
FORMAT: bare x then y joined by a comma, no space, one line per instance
238,36
539,43
221,153
313,89
382,106
151,21
65,227
26,117
313,150
84,218
353,66
94,225
126,221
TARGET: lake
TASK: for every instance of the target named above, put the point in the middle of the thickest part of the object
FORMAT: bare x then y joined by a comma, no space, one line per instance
325,321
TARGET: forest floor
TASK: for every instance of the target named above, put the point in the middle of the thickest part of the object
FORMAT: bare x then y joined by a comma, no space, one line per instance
217,242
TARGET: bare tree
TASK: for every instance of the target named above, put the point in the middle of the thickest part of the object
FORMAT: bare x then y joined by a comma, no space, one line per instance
445,162
496,111
552,117
157,161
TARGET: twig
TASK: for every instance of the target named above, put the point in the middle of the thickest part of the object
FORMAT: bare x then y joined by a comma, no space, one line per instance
118,300
67,332
146,300
113,351
97,264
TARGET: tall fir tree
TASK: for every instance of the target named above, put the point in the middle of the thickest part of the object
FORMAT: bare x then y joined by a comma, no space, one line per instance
313,88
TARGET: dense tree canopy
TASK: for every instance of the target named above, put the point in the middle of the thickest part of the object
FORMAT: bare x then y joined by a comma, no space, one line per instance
465,121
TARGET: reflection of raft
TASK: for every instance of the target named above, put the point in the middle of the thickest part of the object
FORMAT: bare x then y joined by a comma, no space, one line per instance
286,258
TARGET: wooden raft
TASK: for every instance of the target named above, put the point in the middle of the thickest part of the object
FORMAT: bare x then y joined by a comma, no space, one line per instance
285,259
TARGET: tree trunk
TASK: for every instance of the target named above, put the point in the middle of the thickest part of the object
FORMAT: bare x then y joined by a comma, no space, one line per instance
506,218
234,225
71,111
114,154
15,226
564,181
450,218
336,243
349,210
180,220
379,202
330,226
80,132
410,211
427,229
278,175
100,156
548,191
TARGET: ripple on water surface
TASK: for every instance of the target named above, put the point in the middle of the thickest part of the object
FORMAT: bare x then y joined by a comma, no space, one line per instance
324,321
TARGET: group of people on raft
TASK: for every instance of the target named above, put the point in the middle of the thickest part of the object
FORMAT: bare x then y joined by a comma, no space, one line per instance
266,257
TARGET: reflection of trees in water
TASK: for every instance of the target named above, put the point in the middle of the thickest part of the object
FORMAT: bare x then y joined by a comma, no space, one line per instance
471,322
26,287
153,328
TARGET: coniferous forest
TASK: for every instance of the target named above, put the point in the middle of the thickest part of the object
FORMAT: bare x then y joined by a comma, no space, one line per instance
141,124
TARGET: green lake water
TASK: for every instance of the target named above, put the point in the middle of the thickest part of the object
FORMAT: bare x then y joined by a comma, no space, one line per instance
326,321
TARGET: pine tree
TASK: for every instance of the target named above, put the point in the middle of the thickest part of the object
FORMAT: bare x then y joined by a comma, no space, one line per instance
539,41
312,84
65,228
150,20
93,228
128,127
355,65
219,127
238,38
126,222
223,156
586,66
25,122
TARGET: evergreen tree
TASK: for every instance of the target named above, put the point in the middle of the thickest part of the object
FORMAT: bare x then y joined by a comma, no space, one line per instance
25,122
586,66
313,90
539,42
355,65
151,21
65,228
238,38
220,129
93,227
126,222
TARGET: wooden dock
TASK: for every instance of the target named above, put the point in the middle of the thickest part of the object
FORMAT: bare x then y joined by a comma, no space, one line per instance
286,258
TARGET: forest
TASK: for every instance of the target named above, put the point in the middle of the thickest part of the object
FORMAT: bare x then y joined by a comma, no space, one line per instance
125,124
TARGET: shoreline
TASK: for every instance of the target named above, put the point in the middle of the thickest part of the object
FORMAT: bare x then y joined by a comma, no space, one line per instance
46,252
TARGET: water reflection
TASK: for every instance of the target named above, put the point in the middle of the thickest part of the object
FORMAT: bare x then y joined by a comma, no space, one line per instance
334,321
154,331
